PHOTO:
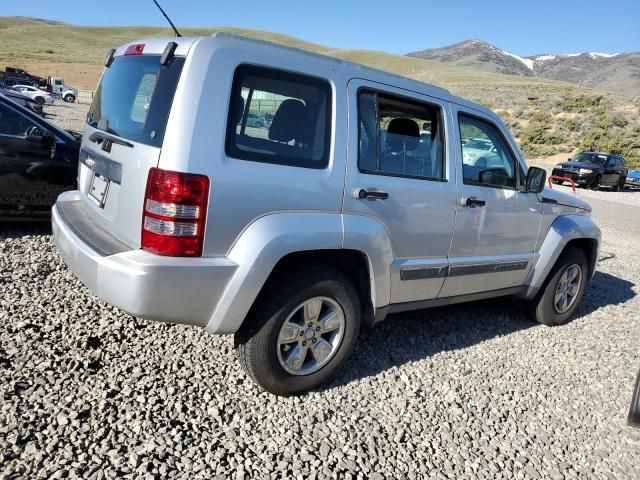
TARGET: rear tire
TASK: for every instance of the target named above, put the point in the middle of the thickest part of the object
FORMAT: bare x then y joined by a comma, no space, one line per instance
595,185
548,307
290,312
620,186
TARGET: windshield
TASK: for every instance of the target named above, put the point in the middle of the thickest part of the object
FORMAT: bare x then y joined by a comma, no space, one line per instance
589,157
134,98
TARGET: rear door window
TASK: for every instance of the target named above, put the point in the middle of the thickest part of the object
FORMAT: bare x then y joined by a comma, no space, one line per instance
279,117
399,137
135,96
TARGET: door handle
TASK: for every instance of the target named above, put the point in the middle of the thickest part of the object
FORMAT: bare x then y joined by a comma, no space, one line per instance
472,202
372,194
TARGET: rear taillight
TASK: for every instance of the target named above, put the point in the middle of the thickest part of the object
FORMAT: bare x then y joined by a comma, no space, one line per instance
175,207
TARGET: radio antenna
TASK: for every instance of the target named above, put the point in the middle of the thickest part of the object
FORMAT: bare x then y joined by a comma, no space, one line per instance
168,19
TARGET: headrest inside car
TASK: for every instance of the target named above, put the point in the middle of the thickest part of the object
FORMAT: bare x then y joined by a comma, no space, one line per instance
403,131
288,122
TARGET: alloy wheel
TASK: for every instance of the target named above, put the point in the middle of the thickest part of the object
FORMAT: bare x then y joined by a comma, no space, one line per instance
567,289
310,336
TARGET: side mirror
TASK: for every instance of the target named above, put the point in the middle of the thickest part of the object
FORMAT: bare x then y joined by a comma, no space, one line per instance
535,180
634,411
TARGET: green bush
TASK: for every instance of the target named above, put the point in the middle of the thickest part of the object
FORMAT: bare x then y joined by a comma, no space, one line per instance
571,124
580,103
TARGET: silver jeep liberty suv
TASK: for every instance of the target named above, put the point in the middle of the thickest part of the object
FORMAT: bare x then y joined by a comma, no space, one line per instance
356,193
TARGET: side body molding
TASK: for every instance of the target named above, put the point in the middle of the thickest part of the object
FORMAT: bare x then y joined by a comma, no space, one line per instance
563,230
259,248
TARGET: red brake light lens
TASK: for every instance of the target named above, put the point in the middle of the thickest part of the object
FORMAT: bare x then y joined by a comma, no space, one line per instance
135,49
175,208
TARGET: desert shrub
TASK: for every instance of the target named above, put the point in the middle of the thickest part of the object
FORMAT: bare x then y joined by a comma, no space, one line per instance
580,102
541,133
571,124
619,121
615,140
519,111
531,150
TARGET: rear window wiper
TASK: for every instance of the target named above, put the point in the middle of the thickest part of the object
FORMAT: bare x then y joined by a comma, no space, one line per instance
100,136
105,133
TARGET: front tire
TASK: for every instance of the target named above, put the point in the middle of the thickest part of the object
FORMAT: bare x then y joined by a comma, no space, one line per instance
557,301
40,100
595,185
300,332
69,98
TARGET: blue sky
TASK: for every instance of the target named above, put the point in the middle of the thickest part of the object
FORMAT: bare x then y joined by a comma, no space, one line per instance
398,26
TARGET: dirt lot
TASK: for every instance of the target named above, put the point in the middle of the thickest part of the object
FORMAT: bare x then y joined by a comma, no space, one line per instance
470,391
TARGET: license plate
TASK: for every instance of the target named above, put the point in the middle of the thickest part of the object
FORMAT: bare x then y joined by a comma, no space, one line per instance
98,190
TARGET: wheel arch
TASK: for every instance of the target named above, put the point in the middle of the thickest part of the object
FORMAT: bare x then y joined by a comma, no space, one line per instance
567,231
270,246
353,264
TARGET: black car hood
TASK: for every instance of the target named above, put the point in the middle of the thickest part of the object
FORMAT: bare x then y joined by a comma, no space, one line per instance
591,166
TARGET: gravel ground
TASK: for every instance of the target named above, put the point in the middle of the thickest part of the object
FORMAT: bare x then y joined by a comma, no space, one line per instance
70,116
470,391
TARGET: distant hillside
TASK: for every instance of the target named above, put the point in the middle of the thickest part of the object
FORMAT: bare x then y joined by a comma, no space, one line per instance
479,55
616,73
547,117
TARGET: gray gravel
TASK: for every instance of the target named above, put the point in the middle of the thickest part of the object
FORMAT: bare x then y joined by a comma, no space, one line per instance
70,116
471,391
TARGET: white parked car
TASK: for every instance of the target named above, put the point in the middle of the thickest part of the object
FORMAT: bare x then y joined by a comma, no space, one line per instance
40,96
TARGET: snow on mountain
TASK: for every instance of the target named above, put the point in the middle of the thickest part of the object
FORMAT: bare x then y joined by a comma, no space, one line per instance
527,61
603,55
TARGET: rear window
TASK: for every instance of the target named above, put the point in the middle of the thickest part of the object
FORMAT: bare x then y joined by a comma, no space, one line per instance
279,117
135,96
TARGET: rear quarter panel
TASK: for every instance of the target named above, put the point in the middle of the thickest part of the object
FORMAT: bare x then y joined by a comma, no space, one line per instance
243,191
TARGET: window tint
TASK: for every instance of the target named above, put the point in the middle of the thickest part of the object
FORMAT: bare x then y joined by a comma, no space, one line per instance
279,117
399,137
135,96
492,165
12,123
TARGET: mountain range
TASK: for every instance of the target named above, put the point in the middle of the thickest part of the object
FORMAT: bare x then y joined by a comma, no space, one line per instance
611,72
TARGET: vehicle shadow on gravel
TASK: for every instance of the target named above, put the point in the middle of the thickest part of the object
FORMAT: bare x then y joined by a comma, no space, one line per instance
413,336
604,290
17,229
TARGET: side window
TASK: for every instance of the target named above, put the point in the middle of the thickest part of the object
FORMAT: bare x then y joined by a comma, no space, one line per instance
486,158
12,123
279,117
399,137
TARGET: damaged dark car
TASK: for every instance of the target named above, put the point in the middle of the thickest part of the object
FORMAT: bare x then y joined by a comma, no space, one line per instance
38,161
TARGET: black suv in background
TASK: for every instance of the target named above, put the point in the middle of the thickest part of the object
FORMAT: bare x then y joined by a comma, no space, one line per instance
594,170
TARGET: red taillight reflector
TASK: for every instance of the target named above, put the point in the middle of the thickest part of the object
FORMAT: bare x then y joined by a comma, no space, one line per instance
175,207
135,49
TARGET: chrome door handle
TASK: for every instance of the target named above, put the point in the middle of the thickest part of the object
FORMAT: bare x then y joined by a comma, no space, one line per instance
472,202
372,194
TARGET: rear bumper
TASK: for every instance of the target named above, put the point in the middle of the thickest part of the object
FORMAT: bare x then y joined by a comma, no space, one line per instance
169,289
